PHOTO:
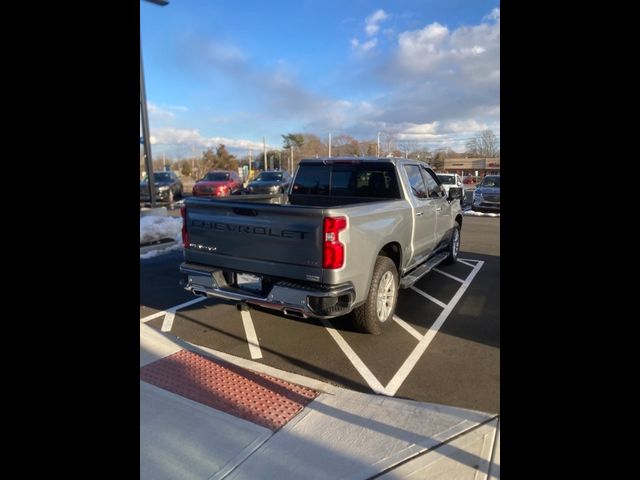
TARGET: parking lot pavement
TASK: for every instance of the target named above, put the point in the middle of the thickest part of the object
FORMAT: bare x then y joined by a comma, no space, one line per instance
443,345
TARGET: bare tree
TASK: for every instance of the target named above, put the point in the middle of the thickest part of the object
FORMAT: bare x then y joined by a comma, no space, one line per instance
388,141
345,146
484,144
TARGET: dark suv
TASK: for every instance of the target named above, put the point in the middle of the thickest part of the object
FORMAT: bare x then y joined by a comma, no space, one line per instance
167,184
270,182
486,196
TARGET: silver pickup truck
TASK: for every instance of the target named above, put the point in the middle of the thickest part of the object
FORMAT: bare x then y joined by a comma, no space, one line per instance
345,237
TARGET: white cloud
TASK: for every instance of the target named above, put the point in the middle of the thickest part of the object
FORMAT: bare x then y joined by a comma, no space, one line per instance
413,129
464,126
363,47
193,137
442,85
494,15
371,28
434,49
366,46
159,113
372,21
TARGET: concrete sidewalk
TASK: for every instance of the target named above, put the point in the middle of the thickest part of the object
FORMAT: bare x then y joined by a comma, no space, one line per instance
334,434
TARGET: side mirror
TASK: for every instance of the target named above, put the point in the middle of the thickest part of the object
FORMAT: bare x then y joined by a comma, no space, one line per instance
455,193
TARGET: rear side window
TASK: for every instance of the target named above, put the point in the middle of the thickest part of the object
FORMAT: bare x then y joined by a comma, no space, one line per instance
373,180
312,180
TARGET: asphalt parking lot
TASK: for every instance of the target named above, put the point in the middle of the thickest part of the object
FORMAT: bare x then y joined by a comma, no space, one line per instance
443,346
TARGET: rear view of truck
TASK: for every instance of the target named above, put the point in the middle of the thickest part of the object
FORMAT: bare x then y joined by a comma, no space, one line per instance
265,254
289,251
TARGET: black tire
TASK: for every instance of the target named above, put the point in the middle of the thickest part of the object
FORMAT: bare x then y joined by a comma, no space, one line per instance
366,315
454,246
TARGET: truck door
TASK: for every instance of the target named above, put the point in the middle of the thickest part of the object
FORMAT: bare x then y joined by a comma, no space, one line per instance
424,212
442,205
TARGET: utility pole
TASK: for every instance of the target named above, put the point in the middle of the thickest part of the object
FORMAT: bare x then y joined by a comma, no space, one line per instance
193,160
329,144
264,149
291,158
378,150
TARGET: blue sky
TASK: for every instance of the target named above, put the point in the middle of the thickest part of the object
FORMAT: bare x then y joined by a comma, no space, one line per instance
221,71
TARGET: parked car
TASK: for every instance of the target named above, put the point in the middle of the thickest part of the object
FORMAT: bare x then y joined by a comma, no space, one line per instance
470,180
347,237
167,184
452,180
270,182
486,196
218,183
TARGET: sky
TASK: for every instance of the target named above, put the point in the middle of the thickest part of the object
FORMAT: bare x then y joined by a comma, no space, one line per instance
220,71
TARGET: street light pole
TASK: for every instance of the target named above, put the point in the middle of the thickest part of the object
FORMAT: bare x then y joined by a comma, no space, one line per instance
145,133
146,139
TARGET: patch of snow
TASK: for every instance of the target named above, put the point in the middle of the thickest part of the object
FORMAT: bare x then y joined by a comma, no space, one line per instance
155,228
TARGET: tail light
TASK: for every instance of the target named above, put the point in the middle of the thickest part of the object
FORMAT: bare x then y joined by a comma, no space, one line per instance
332,248
185,234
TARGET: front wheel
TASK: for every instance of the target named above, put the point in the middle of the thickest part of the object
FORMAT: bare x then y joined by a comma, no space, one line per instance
380,305
454,246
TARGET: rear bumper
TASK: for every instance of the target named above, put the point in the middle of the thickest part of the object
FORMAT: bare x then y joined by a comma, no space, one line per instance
290,297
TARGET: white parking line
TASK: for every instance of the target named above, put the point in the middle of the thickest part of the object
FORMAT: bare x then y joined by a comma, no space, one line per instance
429,297
167,324
252,338
407,327
464,262
448,275
404,371
362,369
177,307
423,342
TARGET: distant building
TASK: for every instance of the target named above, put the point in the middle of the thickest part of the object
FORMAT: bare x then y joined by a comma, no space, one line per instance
469,166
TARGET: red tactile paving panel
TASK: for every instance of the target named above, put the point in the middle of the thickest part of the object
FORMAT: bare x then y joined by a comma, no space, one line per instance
259,398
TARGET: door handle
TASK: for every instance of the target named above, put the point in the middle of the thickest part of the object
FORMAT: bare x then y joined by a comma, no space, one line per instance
419,214
438,209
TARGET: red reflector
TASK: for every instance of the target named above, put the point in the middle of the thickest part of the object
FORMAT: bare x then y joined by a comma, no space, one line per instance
332,248
185,234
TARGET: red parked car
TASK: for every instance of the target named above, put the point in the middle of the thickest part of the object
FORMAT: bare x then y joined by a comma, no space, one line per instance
218,183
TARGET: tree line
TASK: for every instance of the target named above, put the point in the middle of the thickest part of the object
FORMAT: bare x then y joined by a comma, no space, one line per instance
296,146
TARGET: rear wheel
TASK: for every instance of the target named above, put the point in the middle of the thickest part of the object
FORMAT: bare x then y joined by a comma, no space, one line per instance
380,305
454,246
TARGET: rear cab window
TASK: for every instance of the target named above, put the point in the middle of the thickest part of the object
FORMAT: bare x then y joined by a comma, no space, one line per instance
353,179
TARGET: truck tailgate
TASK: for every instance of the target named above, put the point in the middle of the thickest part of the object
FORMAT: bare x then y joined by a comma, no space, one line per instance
267,239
